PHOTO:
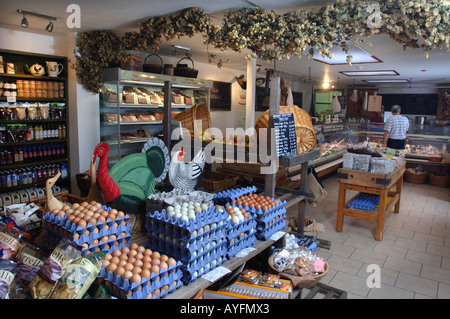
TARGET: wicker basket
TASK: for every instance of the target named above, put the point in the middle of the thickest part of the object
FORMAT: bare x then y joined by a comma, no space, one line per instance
415,178
306,138
184,70
298,281
439,180
153,68
217,182
198,112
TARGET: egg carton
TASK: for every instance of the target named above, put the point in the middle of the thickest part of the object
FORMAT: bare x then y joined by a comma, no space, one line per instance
158,201
69,229
52,238
234,247
267,212
203,264
132,290
162,292
266,233
266,220
184,229
184,252
229,195
233,229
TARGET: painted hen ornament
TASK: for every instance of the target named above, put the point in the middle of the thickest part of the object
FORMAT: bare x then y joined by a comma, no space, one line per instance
186,176
133,178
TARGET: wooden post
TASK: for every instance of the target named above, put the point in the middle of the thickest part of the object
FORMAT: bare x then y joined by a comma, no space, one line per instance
167,121
340,208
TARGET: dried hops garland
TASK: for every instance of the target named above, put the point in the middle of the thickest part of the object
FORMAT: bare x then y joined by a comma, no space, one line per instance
270,35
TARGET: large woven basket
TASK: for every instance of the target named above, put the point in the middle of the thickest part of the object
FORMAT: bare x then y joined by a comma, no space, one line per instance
439,180
415,178
188,118
184,70
153,68
306,138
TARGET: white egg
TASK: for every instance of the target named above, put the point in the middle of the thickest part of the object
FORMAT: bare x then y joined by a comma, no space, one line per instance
235,220
241,217
207,246
194,233
204,207
178,215
206,227
191,215
170,208
184,204
170,213
213,225
191,203
184,218
177,206
196,204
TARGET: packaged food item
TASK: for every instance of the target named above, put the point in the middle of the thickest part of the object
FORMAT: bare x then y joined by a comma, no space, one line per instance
79,276
44,110
9,242
8,271
30,260
53,269
21,111
32,111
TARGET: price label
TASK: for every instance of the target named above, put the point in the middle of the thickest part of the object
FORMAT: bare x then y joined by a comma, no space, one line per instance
285,134
11,99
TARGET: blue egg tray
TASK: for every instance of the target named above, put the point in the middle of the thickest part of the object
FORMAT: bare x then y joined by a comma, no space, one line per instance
229,195
266,232
365,201
147,285
240,243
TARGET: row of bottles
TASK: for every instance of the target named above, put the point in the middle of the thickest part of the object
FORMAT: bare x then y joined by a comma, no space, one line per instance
46,131
31,175
32,154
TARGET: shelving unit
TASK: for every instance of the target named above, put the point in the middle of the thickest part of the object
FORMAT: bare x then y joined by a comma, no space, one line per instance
125,137
34,90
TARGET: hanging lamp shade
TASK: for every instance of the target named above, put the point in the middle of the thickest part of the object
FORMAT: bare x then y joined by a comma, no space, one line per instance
335,105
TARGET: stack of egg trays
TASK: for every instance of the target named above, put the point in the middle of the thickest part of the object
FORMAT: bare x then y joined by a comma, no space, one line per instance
229,195
147,285
189,241
61,227
266,227
235,243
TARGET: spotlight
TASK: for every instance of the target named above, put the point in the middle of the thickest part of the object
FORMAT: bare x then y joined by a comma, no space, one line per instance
24,22
49,27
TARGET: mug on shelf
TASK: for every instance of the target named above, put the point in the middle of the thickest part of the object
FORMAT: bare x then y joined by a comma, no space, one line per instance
54,68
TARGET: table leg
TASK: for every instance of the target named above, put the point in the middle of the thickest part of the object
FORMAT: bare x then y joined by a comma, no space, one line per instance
399,192
380,216
340,208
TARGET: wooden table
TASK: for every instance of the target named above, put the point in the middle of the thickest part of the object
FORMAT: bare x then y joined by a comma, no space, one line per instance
366,182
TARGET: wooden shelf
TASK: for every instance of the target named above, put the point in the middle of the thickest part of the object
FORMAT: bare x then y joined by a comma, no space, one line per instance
51,141
32,121
34,163
31,77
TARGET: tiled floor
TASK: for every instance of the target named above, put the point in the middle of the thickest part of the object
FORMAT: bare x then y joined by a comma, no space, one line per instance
411,262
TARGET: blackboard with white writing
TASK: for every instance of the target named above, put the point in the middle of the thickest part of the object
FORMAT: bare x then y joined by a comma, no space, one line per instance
285,134
422,104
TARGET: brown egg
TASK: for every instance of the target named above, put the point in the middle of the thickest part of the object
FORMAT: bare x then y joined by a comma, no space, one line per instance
128,266
123,256
156,292
75,205
76,220
119,271
61,214
111,216
101,219
120,214
127,275
125,250
105,239
145,273
104,213
164,258
163,265
132,253
139,256
138,263
155,269
112,267
108,256
115,260
70,217
140,249
95,215
156,255
136,279
146,265
134,246
172,262
122,263
136,270
105,263
116,253
156,261
146,259
131,260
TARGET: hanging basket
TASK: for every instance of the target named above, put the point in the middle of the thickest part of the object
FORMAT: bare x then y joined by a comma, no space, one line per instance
184,70
153,68
198,112
306,138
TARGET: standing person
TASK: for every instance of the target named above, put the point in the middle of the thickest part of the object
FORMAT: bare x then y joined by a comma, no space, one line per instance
395,130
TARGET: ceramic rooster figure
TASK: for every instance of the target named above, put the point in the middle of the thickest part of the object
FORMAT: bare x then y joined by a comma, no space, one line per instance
133,178
186,175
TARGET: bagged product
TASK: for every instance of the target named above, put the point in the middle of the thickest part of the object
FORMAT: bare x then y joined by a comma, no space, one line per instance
8,271
9,242
53,269
79,276
30,260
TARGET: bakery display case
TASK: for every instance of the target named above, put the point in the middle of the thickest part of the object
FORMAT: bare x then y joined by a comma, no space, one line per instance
331,142
133,106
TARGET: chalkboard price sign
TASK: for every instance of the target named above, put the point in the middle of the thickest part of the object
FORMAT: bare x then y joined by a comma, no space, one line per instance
220,99
285,134
422,104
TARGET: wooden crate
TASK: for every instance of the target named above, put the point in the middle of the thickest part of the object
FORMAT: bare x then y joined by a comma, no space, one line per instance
367,179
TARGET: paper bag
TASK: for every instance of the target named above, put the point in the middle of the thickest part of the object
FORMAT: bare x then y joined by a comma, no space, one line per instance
374,103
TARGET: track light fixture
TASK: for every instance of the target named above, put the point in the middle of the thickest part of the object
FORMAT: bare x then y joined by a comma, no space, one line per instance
49,27
24,23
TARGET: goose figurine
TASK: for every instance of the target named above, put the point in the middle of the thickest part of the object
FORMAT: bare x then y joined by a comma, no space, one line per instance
52,201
